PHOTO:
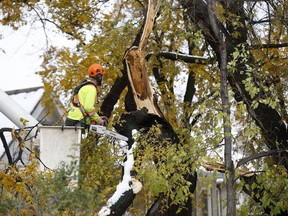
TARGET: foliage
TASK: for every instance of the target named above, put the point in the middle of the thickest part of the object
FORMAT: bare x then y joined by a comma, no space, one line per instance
103,35
161,166
99,169
27,191
30,192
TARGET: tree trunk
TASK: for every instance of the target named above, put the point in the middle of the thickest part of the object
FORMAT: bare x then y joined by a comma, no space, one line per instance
230,172
268,119
143,114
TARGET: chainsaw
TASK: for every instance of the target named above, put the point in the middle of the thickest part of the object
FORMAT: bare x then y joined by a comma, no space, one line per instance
102,130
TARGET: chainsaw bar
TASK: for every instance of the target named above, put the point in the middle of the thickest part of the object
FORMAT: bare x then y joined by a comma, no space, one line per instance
98,129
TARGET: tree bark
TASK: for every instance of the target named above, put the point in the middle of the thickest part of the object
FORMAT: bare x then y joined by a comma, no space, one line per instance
113,95
230,172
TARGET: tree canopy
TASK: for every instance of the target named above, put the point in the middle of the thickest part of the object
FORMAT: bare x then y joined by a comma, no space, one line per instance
189,46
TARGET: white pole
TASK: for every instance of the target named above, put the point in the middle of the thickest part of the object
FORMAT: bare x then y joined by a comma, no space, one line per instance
15,112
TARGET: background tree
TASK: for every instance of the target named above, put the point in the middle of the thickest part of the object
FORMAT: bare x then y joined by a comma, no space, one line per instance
183,64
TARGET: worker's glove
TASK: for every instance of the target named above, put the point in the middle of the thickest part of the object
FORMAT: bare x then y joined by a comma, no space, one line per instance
103,120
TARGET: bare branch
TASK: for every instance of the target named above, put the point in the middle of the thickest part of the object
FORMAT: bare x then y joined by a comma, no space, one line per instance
259,155
259,46
182,57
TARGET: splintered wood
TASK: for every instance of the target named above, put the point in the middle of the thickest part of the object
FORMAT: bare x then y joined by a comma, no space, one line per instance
221,168
136,65
135,60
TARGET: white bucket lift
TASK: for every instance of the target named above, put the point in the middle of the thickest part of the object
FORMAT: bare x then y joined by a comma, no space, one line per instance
56,144
59,145
62,143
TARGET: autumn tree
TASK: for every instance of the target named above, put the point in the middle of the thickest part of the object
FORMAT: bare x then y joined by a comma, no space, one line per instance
192,46
251,78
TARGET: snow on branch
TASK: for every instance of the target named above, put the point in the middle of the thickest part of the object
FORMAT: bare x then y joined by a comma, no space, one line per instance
127,187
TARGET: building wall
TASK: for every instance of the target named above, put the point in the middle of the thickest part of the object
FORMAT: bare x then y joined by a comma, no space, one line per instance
209,197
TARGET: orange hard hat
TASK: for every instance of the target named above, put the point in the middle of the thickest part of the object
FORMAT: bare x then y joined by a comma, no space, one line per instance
95,69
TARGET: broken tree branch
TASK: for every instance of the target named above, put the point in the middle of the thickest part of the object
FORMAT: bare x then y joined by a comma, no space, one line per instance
136,65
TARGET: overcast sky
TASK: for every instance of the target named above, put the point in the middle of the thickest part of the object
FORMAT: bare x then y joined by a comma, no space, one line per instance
18,59
19,56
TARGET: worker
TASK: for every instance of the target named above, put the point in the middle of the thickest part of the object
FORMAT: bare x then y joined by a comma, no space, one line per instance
83,111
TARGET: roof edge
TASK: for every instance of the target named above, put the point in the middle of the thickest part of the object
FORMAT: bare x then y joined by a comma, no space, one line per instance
26,90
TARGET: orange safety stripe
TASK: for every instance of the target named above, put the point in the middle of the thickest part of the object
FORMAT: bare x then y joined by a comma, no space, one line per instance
91,113
82,107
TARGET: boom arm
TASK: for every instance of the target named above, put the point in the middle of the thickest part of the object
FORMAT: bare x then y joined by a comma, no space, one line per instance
14,112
